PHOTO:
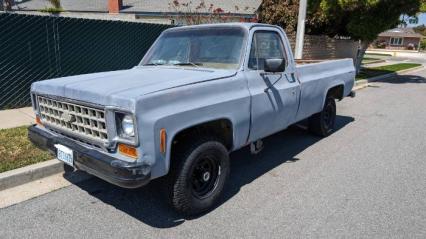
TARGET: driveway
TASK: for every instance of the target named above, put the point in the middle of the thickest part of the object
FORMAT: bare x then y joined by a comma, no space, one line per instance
367,180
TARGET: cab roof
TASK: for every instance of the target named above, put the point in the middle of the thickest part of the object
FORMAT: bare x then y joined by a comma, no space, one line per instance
246,26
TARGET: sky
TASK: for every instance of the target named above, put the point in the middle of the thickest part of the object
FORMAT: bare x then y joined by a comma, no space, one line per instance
422,20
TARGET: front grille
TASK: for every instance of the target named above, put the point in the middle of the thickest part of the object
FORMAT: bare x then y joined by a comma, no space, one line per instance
82,122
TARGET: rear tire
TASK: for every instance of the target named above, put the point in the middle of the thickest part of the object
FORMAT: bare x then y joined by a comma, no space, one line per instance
322,123
198,176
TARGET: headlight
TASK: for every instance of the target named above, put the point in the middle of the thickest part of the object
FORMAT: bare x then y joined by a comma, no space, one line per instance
128,126
123,126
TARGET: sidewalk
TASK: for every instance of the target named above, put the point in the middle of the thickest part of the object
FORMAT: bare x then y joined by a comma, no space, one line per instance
16,117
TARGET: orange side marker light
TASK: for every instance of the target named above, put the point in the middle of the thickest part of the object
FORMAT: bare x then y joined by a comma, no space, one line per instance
163,138
38,120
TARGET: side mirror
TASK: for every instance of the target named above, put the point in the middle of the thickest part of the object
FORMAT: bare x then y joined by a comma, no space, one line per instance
274,65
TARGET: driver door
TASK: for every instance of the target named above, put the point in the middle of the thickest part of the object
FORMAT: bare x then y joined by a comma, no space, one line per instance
275,96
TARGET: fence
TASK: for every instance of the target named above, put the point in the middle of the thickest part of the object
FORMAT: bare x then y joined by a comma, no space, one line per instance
323,47
35,48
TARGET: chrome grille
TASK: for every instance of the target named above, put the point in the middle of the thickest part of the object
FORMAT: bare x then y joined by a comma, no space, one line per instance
80,121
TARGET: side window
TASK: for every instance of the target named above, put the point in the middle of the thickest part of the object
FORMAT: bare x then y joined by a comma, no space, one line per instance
265,45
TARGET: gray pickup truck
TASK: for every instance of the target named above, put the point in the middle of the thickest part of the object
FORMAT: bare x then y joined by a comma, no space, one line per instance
199,93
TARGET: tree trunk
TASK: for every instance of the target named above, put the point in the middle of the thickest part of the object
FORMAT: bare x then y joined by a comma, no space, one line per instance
361,52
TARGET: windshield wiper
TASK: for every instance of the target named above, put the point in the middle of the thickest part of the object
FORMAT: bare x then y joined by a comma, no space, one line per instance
153,64
196,64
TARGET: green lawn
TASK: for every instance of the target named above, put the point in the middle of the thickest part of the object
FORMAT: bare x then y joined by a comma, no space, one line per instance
382,70
17,151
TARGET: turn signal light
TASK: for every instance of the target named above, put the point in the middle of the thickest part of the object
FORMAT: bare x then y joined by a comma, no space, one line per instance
163,138
127,150
38,120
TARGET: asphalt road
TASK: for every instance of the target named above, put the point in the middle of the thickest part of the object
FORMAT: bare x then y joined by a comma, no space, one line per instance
367,180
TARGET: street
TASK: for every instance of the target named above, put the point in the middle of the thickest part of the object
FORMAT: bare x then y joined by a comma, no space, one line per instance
367,180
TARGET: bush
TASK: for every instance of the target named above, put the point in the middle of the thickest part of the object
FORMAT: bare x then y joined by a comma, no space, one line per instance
56,3
411,47
52,10
55,9
423,45
380,44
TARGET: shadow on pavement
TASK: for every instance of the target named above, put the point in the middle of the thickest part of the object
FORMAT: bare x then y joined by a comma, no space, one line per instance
404,79
149,204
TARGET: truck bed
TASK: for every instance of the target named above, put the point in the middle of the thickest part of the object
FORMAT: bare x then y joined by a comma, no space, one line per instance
308,61
323,74
303,62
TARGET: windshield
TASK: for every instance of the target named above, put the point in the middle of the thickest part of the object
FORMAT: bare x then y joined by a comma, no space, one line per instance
210,47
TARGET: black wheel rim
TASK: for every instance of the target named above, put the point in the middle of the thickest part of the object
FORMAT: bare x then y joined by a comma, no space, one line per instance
328,117
205,176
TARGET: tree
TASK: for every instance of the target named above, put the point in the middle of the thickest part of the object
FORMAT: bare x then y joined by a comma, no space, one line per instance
420,29
187,13
280,12
361,20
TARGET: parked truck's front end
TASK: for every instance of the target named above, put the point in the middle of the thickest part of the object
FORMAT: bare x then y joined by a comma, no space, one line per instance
102,140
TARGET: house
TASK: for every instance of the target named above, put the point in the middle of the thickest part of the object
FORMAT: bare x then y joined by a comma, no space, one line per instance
152,11
399,39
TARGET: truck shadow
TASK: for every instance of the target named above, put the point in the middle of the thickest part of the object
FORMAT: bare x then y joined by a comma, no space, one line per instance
404,79
148,204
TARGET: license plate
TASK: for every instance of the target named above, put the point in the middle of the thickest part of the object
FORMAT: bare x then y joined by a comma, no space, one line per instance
64,154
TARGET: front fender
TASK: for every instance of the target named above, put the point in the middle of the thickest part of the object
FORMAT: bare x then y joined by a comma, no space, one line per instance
180,108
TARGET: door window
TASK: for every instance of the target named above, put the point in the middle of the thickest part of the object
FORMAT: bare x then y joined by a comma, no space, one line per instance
265,45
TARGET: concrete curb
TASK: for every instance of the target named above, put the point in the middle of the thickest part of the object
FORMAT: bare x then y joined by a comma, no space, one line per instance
361,84
375,62
29,173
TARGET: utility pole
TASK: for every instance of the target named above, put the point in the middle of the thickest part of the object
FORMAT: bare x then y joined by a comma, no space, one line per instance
300,29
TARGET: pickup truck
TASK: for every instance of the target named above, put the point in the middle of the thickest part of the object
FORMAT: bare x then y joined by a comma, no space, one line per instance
199,93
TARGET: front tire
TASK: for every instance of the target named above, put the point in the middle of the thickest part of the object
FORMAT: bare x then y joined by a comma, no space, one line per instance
322,123
199,177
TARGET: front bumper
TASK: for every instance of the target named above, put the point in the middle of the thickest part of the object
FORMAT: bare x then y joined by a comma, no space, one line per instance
110,169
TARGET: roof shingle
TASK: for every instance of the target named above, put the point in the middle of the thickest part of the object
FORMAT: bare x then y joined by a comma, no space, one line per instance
400,32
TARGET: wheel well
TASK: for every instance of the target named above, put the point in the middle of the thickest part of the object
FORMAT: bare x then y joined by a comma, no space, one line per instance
336,92
220,129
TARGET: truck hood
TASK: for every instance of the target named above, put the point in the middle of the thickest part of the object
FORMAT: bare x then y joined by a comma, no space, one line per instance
122,88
